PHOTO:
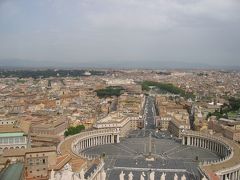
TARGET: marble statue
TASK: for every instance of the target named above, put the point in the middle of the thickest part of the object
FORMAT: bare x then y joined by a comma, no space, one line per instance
142,177
175,176
103,175
183,177
82,174
121,176
52,175
163,176
130,176
152,175
68,167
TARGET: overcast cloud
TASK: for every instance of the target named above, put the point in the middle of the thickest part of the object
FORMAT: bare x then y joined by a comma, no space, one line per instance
119,32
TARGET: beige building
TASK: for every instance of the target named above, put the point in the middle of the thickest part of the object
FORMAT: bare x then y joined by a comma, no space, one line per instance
229,128
176,127
37,161
118,120
52,127
172,116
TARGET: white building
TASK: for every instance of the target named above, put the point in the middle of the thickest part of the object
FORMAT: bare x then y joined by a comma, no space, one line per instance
14,136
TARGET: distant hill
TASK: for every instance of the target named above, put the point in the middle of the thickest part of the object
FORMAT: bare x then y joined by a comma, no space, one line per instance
19,63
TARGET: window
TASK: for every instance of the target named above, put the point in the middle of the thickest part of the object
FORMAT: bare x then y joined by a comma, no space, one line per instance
30,171
22,139
17,139
43,161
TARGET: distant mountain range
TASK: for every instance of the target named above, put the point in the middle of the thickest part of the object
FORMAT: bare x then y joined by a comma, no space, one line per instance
19,63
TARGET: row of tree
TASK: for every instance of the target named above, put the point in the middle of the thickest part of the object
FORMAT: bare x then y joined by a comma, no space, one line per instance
110,91
46,73
166,88
74,130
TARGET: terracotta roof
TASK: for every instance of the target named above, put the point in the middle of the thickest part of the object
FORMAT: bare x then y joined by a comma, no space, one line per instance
22,152
9,129
19,126
61,161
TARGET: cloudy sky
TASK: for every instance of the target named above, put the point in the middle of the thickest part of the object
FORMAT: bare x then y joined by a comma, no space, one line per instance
125,33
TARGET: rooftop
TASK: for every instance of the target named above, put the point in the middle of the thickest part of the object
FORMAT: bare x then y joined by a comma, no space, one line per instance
13,172
22,152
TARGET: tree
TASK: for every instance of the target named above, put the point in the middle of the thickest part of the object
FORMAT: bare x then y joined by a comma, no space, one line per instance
74,130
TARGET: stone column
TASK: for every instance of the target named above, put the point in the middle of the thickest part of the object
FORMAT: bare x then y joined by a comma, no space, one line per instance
188,141
118,141
183,140
221,177
235,175
112,138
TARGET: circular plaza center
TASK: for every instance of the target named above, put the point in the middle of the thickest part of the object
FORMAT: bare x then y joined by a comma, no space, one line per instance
142,153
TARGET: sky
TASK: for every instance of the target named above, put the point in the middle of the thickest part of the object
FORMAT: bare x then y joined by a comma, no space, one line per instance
120,33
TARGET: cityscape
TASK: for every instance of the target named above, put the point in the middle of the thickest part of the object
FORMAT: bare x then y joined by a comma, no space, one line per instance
119,90
120,124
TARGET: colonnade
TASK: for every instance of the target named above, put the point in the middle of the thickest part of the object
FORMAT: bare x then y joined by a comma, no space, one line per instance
228,165
97,140
231,176
213,145
89,139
